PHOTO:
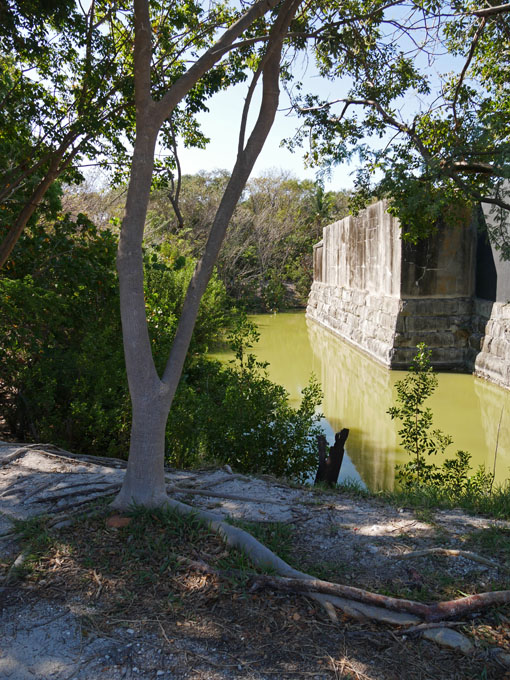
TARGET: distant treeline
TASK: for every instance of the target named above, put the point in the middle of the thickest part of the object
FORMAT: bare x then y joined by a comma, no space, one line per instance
266,260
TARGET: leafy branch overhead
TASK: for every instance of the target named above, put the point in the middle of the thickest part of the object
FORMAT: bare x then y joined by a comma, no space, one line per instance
434,101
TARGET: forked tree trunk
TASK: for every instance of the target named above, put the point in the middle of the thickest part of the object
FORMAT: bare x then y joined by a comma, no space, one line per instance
151,397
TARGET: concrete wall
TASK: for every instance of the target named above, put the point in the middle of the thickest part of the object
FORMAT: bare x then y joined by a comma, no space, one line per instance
442,266
491,314
386,296
363,252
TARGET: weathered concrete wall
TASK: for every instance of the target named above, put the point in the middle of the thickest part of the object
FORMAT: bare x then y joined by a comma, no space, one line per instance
385,296
491,313
356,287
442,266
363,252
365,320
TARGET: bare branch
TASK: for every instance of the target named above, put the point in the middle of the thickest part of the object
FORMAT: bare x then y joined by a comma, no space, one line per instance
491,11
176,190
474,43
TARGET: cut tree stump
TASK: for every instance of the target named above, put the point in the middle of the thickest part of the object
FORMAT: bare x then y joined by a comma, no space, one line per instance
329,466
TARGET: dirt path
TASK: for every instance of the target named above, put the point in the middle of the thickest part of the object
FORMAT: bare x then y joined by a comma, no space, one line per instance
350,540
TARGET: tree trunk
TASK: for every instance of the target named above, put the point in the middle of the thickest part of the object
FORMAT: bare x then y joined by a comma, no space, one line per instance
329,468
151,397
144,482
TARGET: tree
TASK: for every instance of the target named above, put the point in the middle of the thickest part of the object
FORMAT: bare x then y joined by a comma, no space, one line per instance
266,258
329,24
450,153
65,94
151,395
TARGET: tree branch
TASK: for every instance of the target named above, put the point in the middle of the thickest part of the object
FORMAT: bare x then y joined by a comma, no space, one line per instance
491,11
476,38
184,84
244,164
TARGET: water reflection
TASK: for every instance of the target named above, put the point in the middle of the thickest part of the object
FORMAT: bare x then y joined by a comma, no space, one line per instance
358,391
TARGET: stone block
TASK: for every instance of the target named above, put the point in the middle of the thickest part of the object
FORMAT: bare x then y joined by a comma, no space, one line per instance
498,348
391,305
504,312
483,307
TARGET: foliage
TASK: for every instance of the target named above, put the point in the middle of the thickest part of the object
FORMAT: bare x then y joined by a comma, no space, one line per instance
60,332
266,259
451,478
416,435
451,148
62,371
235,414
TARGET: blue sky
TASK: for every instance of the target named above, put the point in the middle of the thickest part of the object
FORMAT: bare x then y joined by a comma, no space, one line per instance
221,125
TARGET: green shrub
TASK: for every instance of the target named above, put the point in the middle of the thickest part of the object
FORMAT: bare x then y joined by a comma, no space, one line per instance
452,479
240,417
62,373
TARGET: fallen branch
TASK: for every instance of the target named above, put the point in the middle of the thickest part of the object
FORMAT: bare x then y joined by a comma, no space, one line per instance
467,554
430,626
16,565
429,612
347,598
57,452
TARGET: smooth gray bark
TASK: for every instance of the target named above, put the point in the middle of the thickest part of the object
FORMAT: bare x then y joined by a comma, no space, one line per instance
151,396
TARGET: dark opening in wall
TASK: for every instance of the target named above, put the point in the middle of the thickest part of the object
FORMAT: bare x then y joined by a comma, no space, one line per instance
486,273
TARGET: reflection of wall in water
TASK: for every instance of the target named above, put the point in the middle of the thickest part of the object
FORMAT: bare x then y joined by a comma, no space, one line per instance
495,409
357,393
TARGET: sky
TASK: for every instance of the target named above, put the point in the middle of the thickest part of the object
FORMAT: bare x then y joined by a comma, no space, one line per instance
221,125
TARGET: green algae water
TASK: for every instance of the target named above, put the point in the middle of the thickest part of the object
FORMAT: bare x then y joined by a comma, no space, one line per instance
358,391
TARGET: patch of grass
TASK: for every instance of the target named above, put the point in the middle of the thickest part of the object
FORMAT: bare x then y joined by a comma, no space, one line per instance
277,536
425,515
495,504
326,570
349,486
491,542
354,488
37,542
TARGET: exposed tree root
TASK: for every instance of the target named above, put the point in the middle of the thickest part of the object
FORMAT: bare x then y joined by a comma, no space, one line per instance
371,605
94,492
431,626
17,564
11,457
217,494
467,554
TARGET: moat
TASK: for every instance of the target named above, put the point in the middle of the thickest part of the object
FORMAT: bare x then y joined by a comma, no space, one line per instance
358,391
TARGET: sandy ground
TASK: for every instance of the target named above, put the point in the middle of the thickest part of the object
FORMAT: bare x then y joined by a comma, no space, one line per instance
50,639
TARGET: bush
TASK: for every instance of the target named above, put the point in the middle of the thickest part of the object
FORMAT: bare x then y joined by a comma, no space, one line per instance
451,480
62,373
236,415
